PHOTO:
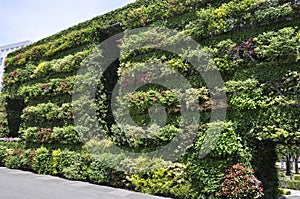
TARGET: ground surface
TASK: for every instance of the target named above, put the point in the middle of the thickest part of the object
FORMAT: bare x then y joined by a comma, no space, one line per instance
15,184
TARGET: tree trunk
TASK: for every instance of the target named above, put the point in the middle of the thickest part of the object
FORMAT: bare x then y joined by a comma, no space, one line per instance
263,161
296,164
288,166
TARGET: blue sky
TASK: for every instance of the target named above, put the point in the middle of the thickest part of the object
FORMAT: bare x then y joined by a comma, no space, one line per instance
33,20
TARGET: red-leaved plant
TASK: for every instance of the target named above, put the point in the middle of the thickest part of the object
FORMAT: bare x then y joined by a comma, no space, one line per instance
240,183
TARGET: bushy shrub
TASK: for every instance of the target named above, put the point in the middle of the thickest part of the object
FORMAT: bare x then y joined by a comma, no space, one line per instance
55,161
239,14
66,135
282,180
140,139
168,181
54,87
297,177
36,135
16,158
240,183
143,164
3,117
43,67
13,162
2,154
73,165
206,174
293,184
42,162
97,172
207,171
48,113
278,45
13,157
26,159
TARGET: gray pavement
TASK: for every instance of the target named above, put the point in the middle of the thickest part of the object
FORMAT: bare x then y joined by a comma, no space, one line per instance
15,184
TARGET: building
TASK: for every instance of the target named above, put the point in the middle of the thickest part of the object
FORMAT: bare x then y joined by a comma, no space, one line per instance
4,50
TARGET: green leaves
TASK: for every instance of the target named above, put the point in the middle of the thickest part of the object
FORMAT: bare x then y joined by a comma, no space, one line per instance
238,14
260,67
169,179
67,136
46,113
160,10
42,161
143,139
281,45
245,94
53,88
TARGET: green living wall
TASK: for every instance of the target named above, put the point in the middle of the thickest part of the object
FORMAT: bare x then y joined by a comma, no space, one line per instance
255,46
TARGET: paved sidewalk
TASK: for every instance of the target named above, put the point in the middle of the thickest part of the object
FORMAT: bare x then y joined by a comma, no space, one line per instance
15,184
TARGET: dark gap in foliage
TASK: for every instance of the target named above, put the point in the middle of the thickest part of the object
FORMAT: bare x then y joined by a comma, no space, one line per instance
109,80
14,109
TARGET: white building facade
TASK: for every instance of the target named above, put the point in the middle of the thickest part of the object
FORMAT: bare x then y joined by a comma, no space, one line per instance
4,50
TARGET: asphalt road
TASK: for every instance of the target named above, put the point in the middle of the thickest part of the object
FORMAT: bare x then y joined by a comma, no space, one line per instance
15,184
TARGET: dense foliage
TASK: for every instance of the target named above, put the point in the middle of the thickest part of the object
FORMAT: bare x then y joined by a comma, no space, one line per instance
254,44
240,182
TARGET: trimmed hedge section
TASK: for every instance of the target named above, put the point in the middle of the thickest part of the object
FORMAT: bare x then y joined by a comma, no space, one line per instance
297,177
293,184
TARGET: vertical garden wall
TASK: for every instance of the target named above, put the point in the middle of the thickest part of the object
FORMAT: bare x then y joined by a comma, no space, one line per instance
255,46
